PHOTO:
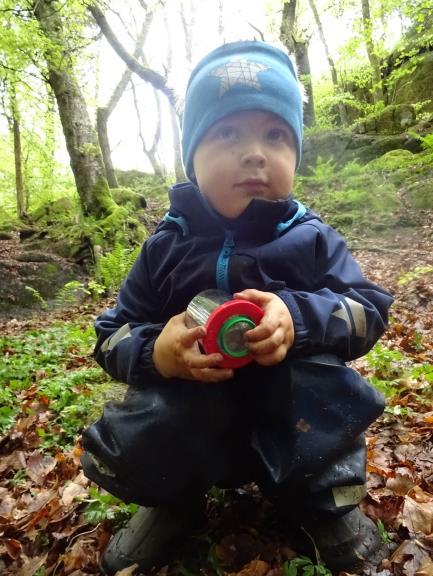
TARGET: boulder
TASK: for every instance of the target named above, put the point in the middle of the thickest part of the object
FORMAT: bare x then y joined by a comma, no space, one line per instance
391,120
343,146
31,278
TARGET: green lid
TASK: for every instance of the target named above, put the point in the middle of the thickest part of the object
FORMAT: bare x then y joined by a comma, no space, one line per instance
231,336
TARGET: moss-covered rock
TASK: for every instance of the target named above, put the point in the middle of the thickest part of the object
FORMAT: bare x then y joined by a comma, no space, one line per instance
391,120
127,196
393,160
48,212
147,185
32,278
420,193
343,146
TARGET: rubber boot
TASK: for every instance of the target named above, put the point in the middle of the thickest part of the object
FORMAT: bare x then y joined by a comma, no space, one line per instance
344,543
151,537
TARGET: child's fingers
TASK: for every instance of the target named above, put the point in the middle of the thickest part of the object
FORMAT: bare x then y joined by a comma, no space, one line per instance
191,335
257,296
196,360
212,374
262,331
267,345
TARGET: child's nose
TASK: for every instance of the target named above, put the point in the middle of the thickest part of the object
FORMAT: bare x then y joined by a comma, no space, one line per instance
253,155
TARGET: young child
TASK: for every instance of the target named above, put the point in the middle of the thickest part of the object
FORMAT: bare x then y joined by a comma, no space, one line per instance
293,420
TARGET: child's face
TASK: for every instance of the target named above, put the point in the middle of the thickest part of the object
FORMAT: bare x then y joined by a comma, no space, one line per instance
244,156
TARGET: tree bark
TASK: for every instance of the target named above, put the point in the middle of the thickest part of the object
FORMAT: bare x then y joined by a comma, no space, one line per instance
304,71
372,56
298,47
334,77
150,152
18,166
80,136
174,119
103,113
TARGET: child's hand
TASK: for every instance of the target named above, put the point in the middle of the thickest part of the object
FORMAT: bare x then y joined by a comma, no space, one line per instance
269,342
176,354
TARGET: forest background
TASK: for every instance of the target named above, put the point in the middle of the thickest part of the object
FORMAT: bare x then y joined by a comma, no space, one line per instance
90,114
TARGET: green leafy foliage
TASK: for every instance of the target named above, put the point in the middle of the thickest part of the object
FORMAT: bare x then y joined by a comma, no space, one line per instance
112,268
52,358
304,566
352,198
414,274
383,533
102,506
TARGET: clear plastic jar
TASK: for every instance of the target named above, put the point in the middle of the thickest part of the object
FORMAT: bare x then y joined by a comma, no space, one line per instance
226,320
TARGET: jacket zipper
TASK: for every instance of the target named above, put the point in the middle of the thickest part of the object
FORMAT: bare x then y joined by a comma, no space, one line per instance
222,266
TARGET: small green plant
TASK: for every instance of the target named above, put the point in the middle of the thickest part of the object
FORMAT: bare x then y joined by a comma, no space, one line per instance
414,274
304,566
426,141
323,170
387,364
19,478
383,532
71,293
37,296
102,507
96,290
398,410
112,268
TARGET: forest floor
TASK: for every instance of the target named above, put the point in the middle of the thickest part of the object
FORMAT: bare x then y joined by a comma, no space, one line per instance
53,522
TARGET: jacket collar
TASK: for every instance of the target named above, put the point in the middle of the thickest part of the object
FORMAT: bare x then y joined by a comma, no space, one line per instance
259,220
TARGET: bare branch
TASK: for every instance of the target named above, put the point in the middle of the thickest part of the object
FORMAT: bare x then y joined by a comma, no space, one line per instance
146,74
126,76
262,36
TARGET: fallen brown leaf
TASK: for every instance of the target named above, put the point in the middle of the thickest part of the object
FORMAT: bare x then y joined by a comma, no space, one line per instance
426,568
253,568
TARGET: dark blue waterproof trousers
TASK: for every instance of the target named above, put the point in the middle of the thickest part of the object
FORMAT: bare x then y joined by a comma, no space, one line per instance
296,429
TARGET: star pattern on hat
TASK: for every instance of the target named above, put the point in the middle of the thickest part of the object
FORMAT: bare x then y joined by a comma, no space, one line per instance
239,71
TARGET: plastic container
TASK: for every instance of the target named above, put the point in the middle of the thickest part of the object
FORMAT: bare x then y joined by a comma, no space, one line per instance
226,320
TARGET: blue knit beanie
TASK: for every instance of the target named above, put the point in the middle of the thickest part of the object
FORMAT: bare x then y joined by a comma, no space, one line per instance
240,76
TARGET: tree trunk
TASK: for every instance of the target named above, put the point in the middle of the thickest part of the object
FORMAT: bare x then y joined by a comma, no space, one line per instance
174,119
150,152
81,138
337,88
14,125
304,71
102,115
372,56
18,167
300,50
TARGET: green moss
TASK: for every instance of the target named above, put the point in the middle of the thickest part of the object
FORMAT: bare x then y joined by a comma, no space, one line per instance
102,203
127,196
49,269
421,194
393,160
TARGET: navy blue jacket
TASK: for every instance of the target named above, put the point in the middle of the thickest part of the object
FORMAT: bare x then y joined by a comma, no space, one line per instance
273,246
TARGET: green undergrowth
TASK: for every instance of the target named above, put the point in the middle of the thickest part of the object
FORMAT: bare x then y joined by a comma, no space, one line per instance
397,375
50,370
357,198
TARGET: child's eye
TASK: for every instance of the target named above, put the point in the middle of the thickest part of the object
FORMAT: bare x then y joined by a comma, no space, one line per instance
226,132
278,135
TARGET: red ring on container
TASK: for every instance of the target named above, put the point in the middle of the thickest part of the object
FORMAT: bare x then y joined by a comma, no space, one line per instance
215,321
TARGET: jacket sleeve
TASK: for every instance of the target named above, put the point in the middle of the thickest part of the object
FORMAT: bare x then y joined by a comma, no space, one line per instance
127,333
344,314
